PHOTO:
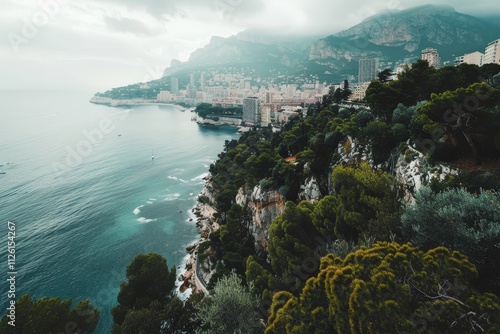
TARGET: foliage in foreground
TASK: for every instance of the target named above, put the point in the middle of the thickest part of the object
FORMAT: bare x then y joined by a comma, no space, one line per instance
51,315
146,304
231,308
459,220
388,288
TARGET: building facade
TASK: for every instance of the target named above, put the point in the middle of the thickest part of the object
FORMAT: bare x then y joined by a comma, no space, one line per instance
368,69
432,57
164,96
359,92
174,85
251,111
492,52
474,58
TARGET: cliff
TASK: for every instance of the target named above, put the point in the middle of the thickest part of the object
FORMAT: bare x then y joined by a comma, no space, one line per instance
264,207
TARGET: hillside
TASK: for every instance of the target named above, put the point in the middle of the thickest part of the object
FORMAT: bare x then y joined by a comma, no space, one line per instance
392,36
349,212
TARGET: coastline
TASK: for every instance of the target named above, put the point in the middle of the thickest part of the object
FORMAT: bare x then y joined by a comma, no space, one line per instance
188,280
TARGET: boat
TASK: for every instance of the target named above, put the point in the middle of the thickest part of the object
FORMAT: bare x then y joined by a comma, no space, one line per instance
152,155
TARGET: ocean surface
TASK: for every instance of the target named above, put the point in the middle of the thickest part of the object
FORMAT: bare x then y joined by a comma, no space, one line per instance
87,197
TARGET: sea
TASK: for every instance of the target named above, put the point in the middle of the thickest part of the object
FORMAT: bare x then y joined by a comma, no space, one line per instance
85,196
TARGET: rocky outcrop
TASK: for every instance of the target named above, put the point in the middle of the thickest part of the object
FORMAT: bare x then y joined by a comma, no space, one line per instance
413,171
206,223
340,51
350,151
264,207
310,190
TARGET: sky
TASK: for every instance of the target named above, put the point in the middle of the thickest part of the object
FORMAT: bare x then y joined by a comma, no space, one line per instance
97,45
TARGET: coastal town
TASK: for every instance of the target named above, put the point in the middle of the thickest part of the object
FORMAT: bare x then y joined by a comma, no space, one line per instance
269,96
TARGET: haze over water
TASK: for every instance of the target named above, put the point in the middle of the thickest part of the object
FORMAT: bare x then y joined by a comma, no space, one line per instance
82,217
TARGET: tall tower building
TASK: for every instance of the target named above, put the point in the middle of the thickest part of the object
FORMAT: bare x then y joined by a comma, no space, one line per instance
368,69
265,115
269,97
192,80
251,110
492,52
432,57
202,80
174,85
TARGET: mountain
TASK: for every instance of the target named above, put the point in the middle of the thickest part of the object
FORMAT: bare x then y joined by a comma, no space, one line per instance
430,25
253,48
492,19
393,36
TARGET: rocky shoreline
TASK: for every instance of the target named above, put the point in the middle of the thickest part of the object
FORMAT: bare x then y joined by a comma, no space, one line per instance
205,222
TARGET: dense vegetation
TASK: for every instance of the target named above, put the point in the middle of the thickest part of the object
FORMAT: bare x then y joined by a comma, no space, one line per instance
388,288
322,270
206,110
147,302
50,315
370,255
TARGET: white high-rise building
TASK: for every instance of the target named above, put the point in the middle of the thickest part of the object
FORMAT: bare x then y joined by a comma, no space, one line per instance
174,85
202,81
192,80
368,69
251,110
265,115
432,57
269,97
492,52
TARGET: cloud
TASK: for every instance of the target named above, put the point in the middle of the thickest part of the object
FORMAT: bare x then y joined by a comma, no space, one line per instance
129,25
157,8
222,10
326,17
129,40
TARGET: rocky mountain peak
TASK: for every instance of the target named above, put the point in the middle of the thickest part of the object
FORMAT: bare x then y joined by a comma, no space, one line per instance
423,26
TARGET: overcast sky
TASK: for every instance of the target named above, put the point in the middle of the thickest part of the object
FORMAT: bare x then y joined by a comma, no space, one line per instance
96,45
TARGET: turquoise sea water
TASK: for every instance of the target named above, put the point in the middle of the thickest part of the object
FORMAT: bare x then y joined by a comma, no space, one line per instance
86,196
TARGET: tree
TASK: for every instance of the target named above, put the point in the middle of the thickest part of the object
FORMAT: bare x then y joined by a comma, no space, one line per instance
469,112
383,99
346,91
292,238
384,75
329,98
173,318
404,115
488,71
368,203
230,308
263,280
381,139
459,221
236,241
51,315
388,288
148,287
324,216
337,96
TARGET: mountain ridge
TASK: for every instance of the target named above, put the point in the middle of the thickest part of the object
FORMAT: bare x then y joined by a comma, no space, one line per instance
415,27
394,36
